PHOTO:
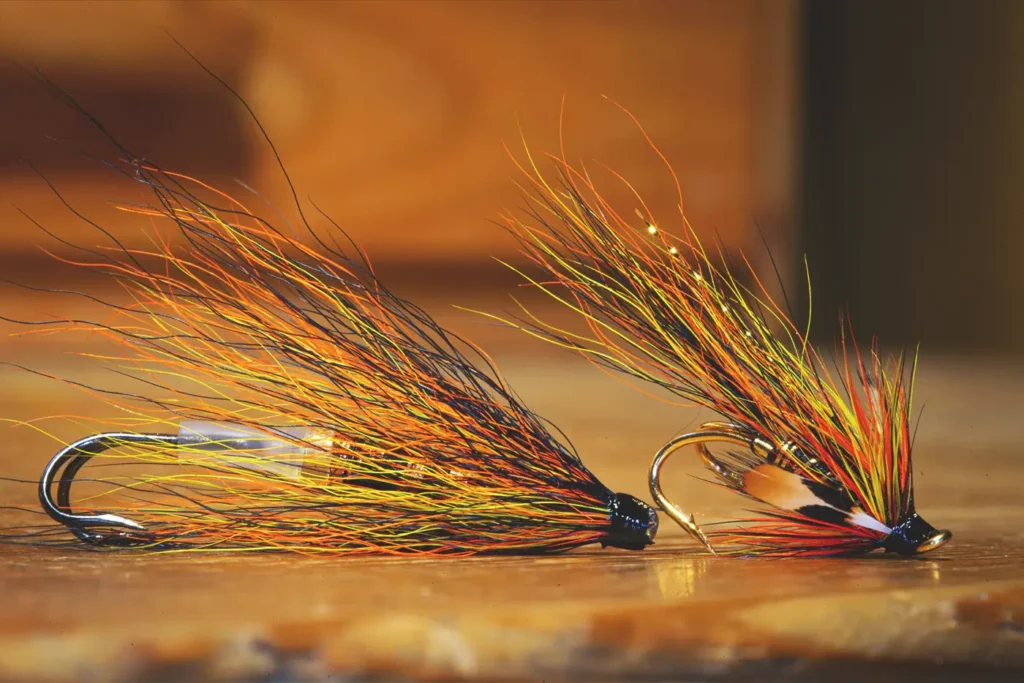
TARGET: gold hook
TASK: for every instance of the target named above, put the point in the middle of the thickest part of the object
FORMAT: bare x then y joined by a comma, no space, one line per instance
709,432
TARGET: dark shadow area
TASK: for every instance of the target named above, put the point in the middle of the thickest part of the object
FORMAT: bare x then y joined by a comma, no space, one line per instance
913,214
190,125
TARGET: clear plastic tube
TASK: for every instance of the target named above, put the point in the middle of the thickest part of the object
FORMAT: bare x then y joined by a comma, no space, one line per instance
285,456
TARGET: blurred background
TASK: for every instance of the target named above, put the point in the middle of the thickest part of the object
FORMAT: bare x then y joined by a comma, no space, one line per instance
881,139
912,164
392,117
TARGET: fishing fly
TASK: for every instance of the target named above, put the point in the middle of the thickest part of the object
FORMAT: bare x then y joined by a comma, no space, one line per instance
829,452
290,401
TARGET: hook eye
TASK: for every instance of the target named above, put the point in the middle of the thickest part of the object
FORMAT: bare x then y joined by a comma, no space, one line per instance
709,432
71,459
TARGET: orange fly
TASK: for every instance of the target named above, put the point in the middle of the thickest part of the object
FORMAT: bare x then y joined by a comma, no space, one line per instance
288,400
830,453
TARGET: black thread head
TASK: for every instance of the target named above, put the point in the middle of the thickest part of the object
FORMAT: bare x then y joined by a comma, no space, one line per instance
914,536
634,523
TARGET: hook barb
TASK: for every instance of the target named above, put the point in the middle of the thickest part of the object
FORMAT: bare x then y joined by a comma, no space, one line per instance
68,461
709,432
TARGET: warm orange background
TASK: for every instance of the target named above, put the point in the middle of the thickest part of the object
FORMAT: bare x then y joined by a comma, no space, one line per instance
391,116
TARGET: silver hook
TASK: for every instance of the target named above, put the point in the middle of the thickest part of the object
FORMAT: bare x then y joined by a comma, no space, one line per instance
71,459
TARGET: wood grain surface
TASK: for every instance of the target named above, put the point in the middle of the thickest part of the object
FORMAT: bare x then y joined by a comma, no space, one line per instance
666,613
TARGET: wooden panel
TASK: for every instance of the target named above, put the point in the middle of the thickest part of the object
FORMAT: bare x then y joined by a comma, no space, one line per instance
391,116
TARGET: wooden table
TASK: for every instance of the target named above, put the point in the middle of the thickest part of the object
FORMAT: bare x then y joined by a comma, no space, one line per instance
669,612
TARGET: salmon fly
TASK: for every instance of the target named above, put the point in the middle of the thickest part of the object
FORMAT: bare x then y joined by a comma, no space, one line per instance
830,453
292,402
